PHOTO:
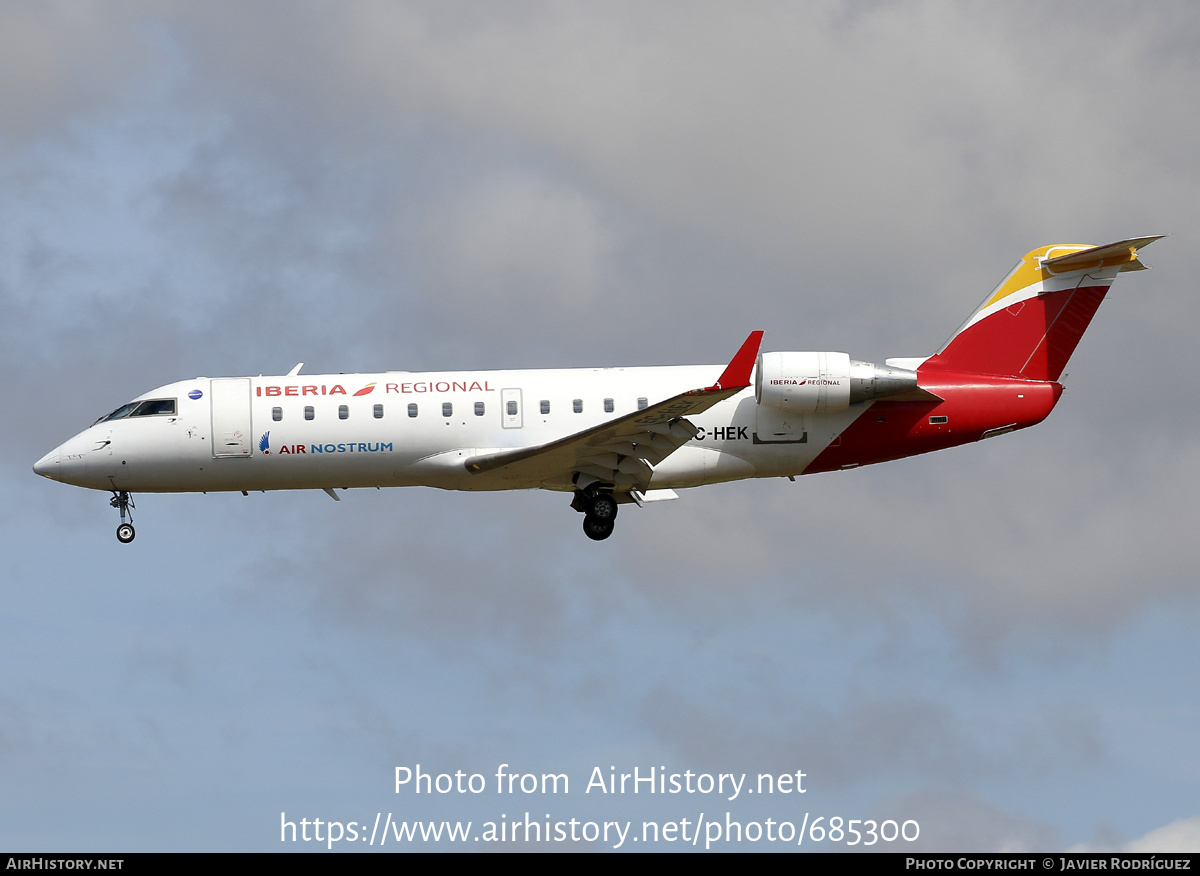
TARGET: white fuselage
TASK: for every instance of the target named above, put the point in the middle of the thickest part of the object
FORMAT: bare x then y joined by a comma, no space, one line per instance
406,429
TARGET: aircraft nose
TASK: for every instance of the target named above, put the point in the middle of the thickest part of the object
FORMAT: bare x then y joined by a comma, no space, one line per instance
47,466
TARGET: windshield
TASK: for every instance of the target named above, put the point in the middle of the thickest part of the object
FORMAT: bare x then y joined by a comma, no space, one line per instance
148,408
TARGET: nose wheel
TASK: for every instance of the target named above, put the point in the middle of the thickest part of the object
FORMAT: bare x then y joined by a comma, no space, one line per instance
123,502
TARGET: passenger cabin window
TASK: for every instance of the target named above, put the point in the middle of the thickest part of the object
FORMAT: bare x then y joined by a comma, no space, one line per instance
412,410
343,412
447,409
642,403
511,408
378,412
479,409
577,404
545,406
309,413
276,414
608,406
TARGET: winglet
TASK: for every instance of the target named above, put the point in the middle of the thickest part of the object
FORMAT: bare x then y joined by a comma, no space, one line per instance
737,372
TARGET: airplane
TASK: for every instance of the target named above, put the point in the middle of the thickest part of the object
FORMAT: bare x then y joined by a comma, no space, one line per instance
607,436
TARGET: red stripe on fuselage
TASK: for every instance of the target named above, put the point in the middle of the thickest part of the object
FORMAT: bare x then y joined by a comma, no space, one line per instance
973,404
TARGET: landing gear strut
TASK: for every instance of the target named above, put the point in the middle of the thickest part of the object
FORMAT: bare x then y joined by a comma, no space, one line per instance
123,502
599,513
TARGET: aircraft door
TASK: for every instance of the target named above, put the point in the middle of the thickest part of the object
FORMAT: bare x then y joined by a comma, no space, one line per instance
510,409
775,426
230,417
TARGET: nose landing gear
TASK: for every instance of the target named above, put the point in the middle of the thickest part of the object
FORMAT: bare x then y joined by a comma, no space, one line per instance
123,502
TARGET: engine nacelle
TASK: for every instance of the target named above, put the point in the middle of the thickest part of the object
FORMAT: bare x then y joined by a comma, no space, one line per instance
803,383
815,383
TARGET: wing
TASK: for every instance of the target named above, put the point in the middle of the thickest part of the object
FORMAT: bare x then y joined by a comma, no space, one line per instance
623,451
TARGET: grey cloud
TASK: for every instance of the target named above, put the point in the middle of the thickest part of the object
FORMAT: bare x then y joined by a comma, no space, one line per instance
61,60
785,722
953,819
1182,835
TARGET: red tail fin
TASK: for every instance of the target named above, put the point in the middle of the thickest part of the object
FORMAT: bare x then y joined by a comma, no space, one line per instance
1031,323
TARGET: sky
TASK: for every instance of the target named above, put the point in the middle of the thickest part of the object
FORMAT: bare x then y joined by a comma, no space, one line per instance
994,642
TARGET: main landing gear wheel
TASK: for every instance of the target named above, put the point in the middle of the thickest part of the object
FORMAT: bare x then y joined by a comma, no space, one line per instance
604,507
597,529
599,513
123,502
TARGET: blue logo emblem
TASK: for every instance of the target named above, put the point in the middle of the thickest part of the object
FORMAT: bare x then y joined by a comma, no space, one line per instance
264,443
195,394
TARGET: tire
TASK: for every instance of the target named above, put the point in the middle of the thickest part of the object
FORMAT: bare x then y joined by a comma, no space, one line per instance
604,507
125,533
597,529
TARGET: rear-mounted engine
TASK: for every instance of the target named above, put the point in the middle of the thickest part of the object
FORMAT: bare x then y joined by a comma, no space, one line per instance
814,383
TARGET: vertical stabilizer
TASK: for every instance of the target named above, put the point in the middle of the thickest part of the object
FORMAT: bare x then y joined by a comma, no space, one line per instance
1030,324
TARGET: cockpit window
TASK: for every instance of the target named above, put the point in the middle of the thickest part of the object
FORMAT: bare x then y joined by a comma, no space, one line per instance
122,411
153,407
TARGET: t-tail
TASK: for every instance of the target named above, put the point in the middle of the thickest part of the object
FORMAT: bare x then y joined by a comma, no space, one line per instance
1000,371
1030,324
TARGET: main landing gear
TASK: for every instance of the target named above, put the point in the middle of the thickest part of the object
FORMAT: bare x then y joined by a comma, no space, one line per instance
123,502
599,513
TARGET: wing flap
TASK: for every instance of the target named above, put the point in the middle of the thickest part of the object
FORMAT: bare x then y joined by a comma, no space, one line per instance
623,451
650,435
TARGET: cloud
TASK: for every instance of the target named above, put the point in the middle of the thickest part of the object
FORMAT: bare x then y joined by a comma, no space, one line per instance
61,61
516,242
953,819
1182,835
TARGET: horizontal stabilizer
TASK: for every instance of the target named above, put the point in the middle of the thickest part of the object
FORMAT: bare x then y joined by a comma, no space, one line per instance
1123,253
